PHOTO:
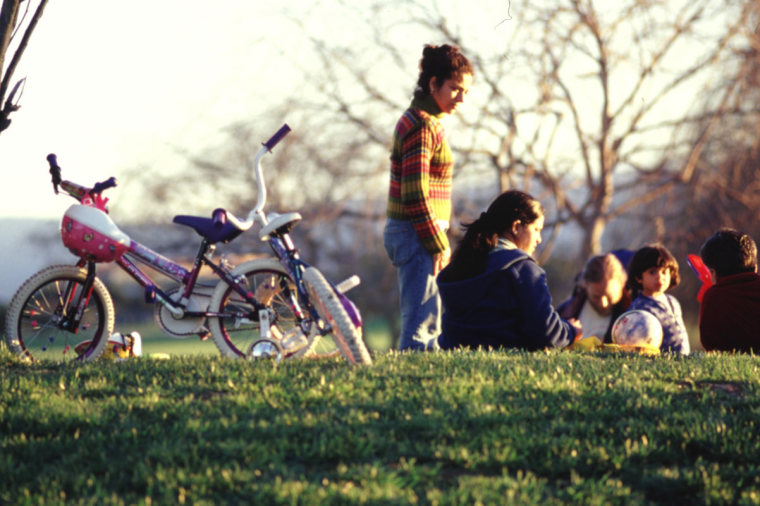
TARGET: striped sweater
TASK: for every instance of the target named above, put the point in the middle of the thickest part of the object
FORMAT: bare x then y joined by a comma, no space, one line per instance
421,171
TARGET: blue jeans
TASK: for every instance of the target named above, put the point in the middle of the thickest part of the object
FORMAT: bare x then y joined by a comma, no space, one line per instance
418,291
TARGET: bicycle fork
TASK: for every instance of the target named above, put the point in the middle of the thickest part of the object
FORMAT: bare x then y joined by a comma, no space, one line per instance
78,300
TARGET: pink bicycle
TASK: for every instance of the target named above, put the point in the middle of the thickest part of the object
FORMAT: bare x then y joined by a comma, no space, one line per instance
273,308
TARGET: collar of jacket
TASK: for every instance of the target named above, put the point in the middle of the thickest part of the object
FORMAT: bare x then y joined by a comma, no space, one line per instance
429,105
504,243
733,279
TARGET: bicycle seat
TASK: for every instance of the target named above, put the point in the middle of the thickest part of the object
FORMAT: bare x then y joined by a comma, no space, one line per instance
280,223
221,227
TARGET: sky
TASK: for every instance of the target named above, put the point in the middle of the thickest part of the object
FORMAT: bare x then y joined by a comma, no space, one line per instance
114,85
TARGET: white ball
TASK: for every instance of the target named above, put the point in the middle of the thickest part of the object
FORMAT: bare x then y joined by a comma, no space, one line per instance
637,328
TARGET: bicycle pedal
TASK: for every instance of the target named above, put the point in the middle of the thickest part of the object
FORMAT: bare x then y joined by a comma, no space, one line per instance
348,283
204,334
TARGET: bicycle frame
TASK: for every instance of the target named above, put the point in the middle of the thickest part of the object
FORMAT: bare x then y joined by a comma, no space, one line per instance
138,253
188,278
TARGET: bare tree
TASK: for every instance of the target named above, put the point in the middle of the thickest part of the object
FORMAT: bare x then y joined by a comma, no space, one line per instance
583,102
14,23
724,163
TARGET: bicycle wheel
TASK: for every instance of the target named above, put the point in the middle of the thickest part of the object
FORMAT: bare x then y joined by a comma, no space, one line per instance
35,313
346,335
271,285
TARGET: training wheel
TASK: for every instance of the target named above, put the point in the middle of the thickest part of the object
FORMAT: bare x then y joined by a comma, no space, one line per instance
267,349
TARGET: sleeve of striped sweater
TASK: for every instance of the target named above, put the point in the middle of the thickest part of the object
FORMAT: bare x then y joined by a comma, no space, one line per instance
418,149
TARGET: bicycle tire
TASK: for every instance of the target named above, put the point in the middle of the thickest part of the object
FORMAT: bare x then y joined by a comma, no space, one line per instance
234,336
30,325
346,335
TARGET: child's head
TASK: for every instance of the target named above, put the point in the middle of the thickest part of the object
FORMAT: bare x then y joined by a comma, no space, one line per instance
603,278
728,252
648,257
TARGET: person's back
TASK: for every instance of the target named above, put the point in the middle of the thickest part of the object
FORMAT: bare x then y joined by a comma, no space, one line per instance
503,307
494,294
729,316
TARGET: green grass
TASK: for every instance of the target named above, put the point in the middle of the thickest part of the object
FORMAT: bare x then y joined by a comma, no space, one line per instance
440,428
154,340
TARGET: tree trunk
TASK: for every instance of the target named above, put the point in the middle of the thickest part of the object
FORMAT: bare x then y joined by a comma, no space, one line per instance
8,30
8,17
592,245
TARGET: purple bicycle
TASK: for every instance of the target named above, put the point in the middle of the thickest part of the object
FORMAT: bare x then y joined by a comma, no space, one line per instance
270,308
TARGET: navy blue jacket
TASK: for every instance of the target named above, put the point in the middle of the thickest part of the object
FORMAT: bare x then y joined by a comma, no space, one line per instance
508,306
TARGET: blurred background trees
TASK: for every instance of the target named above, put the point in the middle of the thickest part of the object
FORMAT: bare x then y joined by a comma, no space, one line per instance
18,19
632,121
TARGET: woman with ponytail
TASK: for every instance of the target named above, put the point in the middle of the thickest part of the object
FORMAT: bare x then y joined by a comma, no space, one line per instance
494,293
419,197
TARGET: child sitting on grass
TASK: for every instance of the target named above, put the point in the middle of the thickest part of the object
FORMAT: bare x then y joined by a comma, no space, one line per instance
728,315
653,271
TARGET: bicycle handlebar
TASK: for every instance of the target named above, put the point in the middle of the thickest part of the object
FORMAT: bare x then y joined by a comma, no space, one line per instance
103,185
77,191
277,137
256,213
55,171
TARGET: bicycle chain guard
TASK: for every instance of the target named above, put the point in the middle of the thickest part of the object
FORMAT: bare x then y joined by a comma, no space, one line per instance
188,325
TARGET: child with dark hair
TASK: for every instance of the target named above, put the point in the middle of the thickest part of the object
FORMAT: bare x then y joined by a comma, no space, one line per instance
494,293
728,315
653,271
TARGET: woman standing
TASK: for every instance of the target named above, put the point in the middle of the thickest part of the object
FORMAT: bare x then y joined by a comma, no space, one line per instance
494,294
419,199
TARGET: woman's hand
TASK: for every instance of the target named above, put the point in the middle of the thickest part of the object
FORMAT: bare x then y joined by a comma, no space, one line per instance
576,324
441,260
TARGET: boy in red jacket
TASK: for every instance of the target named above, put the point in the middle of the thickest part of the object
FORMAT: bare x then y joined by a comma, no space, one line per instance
729,316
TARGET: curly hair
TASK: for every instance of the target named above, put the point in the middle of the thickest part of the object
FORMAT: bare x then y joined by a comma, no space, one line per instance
442,62
651,255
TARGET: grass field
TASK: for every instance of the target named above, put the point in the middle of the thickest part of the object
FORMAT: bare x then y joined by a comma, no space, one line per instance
437,428
154,340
